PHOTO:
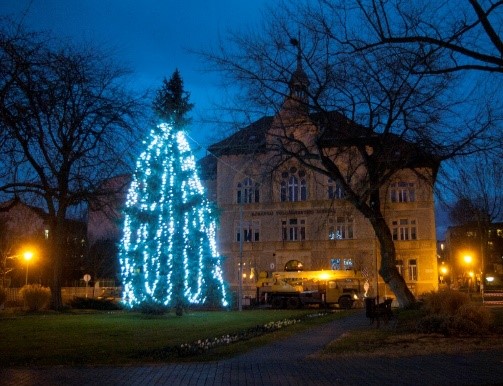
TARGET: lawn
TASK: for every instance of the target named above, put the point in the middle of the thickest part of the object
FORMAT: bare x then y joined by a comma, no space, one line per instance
121,337
398,338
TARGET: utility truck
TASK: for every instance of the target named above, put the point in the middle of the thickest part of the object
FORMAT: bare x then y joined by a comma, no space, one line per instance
309,288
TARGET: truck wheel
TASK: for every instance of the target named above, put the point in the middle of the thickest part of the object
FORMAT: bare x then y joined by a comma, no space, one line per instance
277,303
292,303
345,303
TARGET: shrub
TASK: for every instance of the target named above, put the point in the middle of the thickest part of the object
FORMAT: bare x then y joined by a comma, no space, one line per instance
3,296
444,302
35,296
94,304
480,316
451,313
433,324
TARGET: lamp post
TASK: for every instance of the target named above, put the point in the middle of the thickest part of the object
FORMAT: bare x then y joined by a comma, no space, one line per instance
443,271
27,256
468,259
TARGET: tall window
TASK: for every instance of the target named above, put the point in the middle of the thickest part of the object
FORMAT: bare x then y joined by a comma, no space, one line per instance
335,190
250,231
340,228
413,269
335,264
293,229
348,264
399,266
404,229
402,192
247,191
293,185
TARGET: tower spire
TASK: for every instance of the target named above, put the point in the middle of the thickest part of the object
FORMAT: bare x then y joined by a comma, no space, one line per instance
299,82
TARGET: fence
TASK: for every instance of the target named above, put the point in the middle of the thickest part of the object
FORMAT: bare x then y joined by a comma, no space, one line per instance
67,293
493,297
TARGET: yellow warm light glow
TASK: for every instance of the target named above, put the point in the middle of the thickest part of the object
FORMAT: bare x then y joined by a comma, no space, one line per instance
444,270
28,255
324,276
471,273
468,259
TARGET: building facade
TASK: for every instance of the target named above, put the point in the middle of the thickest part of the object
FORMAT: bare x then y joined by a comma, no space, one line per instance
474,252
24,227
273,217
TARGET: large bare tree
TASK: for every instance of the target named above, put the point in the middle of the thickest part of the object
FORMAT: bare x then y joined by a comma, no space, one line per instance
66,123
377,111
466,34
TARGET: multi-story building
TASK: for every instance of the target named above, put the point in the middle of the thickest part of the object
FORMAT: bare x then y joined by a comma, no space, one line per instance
24,227
285,215
474,250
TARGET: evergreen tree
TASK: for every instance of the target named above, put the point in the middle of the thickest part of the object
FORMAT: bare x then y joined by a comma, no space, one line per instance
168,252
171,103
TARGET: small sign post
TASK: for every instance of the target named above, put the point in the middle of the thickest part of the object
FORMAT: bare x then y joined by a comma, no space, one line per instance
87,278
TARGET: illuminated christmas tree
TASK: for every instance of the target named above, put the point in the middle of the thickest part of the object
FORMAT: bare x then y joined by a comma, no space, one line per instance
168,253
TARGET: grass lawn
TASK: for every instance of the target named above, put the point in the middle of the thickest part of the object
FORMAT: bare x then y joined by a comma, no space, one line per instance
398,338
121,337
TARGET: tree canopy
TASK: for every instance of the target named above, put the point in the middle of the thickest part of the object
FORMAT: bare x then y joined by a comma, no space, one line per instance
171,103
67,123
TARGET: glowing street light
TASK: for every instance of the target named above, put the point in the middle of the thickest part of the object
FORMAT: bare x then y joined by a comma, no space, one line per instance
468,259
27,256
443,273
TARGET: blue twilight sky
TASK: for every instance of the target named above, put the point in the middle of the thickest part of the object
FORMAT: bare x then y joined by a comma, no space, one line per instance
151,37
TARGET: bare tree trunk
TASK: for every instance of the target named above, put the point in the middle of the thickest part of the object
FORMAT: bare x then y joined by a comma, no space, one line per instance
57,251
387,270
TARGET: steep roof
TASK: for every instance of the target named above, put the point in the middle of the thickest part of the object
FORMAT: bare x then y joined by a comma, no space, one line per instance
248,140
337,130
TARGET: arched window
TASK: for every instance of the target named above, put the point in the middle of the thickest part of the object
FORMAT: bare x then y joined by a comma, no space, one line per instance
294,265
247,191
293,186
335,190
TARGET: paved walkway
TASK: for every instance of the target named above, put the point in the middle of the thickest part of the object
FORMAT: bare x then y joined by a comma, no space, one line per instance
286,362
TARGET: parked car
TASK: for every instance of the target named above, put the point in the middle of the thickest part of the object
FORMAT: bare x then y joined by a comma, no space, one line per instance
112,294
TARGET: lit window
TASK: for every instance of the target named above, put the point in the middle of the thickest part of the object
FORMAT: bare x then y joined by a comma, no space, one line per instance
340,228
402,192
348,264
404,229
335,264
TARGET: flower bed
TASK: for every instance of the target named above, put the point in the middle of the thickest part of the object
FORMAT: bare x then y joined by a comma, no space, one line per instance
203,345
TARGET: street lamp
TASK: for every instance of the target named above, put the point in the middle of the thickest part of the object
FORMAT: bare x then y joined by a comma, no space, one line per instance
27,256
443,273
468,259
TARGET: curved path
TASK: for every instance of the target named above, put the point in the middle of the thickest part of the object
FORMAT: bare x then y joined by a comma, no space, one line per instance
286,362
